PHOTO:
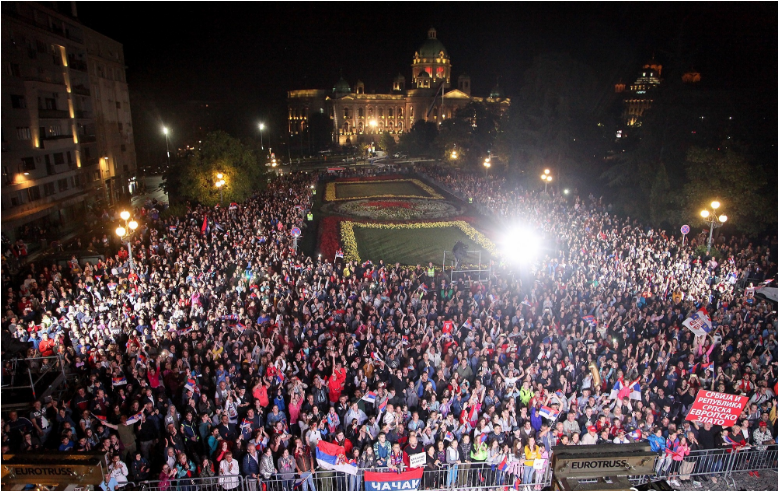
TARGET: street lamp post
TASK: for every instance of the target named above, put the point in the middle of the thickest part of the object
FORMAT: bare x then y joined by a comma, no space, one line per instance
546,177
220,186
128,230
261,143
714,220
488,162
167,144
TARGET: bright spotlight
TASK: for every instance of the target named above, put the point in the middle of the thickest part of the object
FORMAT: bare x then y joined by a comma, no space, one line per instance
521,246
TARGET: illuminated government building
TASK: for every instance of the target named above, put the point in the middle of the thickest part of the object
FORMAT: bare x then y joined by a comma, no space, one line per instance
356,115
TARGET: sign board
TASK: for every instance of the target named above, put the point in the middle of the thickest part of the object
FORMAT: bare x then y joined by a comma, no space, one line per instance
52,469
296,232
392,481
593,461
417,460
716,408
685,229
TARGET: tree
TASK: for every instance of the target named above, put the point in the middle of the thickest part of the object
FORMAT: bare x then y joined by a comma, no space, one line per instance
194,178
555,107
387,143
420,139
472,130
727,176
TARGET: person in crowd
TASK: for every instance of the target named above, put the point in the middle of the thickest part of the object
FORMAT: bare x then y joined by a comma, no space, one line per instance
220,338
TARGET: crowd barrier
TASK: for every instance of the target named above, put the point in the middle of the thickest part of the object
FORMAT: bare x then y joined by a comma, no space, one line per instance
722,463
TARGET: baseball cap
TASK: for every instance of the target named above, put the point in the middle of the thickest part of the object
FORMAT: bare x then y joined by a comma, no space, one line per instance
592,428
763,423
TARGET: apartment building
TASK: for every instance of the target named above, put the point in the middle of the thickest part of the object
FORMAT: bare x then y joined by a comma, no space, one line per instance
63,96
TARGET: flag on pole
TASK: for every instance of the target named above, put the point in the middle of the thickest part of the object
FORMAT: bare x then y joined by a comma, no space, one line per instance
382,406
332,457
375,356
634,390
549,413
191,385
369,397
204,228
617,388
135,418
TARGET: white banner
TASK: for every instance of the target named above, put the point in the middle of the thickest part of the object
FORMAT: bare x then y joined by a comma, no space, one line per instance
699,323
417,460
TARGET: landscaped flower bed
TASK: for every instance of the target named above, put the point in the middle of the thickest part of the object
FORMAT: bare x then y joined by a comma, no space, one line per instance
386,188
410,209
350,246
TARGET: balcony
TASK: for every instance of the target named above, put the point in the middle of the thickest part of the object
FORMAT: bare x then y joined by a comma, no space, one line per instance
81,90
77,65
54,142
53,114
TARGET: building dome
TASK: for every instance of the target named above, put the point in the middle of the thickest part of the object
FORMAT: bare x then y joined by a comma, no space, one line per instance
432,47
424,74
341,86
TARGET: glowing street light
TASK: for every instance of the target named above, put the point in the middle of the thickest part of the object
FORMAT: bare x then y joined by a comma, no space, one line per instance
714,220
546,177
220,186
128,230
167,143
261,127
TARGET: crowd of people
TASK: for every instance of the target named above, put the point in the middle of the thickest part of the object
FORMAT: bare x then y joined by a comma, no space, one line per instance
219,351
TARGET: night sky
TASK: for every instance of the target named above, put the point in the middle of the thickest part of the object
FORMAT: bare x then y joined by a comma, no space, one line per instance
242,58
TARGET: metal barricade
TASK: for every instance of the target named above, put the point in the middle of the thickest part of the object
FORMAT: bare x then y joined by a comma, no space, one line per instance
216,483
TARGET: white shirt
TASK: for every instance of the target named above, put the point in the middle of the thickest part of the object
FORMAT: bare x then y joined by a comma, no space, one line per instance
229,469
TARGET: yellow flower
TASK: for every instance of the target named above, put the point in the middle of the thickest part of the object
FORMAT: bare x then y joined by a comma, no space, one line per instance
331,195
349,240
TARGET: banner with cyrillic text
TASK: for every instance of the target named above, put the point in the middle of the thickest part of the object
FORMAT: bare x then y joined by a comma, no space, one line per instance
716,408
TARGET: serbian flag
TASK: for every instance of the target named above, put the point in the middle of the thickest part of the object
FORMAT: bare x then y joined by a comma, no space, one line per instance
634,390
119,381
635,435
204,228
191,385
423,288
369,397
100,418
449,436
240,327
375,356
394,481
617,388
233,206
134,418
333,457
185,331
589,319
382,406
549,413
503,465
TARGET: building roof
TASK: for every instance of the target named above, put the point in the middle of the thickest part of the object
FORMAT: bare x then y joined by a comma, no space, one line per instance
432,47
341,86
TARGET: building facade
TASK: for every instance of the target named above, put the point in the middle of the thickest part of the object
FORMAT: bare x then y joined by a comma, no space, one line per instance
357,116
639,96
55,137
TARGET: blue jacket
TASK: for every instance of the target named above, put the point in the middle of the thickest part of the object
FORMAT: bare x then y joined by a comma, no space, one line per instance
657,443
250,465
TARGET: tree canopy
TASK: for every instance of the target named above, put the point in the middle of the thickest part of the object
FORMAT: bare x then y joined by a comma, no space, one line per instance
194,178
